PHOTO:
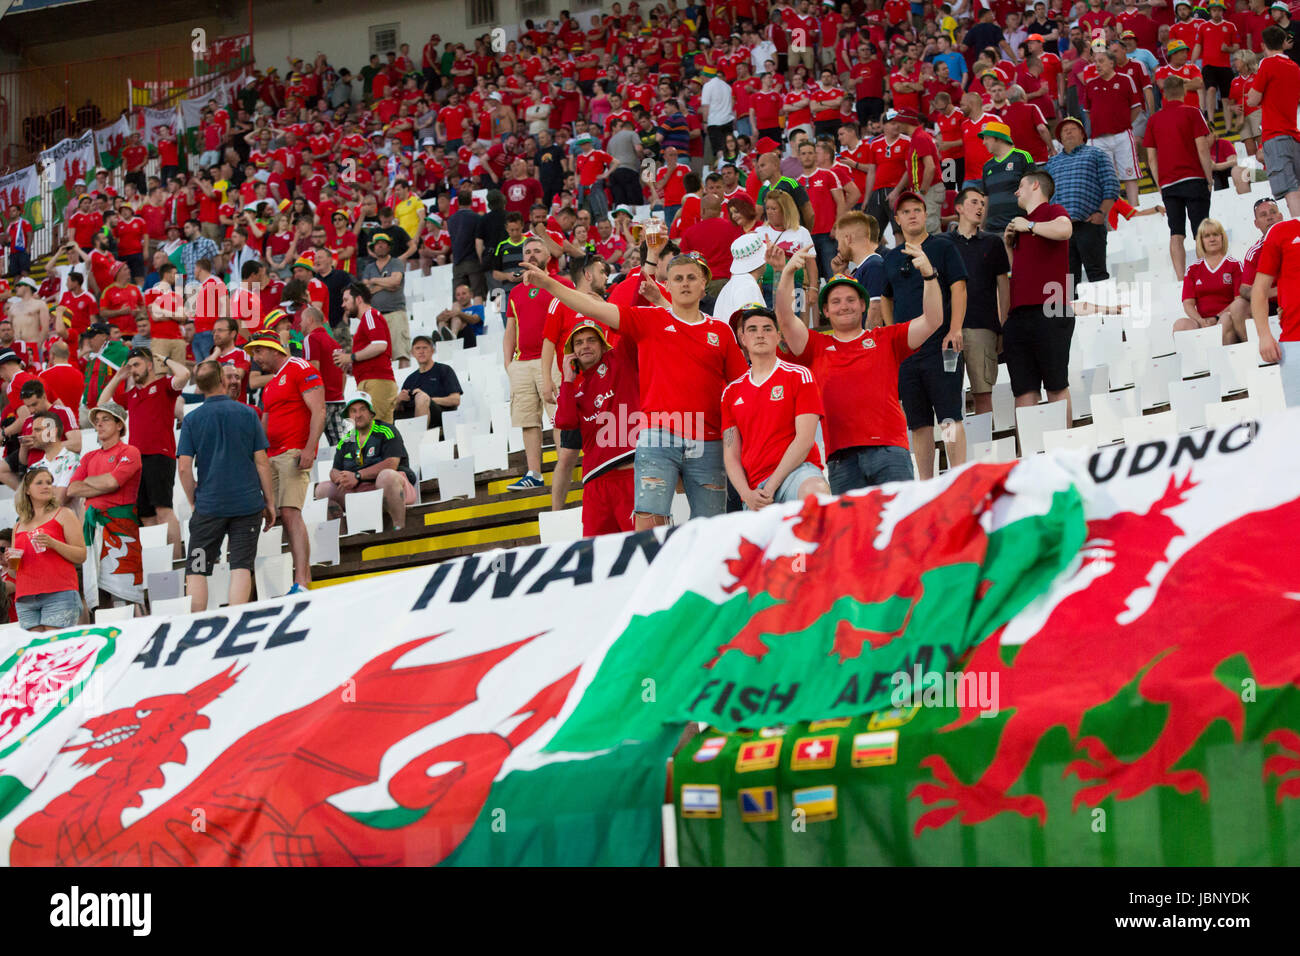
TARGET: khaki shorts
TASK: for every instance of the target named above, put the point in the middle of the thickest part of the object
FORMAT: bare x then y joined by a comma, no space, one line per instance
173,349
399,327
980,349
526,394
934,197
1252,125
383,395
289,482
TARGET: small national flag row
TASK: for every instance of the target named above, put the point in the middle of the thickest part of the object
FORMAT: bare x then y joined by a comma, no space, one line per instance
820,745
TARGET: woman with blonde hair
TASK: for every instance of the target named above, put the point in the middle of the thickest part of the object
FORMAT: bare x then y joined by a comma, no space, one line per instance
1211,283
48,547
785,231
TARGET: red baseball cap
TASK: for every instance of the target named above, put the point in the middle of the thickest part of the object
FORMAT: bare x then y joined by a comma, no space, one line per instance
767,145
908,195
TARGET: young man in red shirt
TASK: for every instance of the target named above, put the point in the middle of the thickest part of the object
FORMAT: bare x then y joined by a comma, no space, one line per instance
211,302
769,421
226,352
531,385
601,389
686,359
1114,102
1218,41
1036,336
1178,154
1279,260
828,205
150,401
319,349
293,402
122,303
84,223
856,371
77,307
1277,91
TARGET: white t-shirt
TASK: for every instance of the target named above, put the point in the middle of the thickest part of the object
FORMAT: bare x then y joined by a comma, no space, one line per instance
716,95
790,240
740,291
61,466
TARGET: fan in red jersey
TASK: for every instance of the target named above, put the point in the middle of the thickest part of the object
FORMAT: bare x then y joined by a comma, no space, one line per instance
769,420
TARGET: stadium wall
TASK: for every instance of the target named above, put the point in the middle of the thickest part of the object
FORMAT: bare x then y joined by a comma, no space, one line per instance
302,28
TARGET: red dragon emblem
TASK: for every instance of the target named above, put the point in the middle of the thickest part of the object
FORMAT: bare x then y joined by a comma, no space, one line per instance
39,676
1172,649
265,799
807,586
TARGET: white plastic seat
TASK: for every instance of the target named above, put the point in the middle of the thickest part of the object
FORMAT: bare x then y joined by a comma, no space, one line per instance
153,536
270,542
273,575
1110,410
171,607
560,525
1033,420
455,478
123,612
1187,400
1066,439
1145,428
364,511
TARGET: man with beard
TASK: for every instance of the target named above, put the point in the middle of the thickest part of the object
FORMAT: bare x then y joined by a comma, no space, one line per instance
150,402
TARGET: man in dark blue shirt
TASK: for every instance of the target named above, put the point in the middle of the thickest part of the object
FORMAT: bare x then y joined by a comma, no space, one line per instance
429,389
925,388
233,493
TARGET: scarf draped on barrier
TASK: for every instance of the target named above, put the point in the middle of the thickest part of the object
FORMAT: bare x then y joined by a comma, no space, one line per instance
114,561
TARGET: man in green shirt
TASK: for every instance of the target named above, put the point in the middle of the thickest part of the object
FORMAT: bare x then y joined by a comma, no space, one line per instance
371,455
1002,175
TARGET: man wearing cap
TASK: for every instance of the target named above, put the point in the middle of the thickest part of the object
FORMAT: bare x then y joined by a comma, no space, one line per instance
371,455
770,416
927,389
1276,90
150,401
14,377
1178,154
1177,52
1087,188
599,398
430,388
108,478
748,263
717,108
293,403
122,303
106,356
384,277
30,315
1280,12
1002,173
1217,42
233,497
856,370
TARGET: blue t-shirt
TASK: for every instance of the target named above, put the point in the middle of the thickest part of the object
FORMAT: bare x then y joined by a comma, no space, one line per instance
221,436
904,285
956,64
871,275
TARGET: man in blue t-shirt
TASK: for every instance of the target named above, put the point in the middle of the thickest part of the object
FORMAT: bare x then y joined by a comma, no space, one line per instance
232,497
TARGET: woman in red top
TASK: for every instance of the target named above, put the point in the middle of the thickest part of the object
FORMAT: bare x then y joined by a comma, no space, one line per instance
280,245
48,548
1211,282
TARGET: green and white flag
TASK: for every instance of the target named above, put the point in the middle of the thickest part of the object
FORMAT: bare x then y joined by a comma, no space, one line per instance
110,140
154,122
807,611
69,162
23,189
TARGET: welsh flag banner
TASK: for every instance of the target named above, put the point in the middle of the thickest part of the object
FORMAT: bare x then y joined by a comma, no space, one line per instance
68,162
110,140
23,189
152,123
1144,711
807,611
398,720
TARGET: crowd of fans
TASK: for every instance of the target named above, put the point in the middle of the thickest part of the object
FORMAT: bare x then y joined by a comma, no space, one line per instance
924,184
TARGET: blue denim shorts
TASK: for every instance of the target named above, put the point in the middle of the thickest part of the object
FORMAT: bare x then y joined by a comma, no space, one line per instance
789,490
662,458
865,466
55,609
